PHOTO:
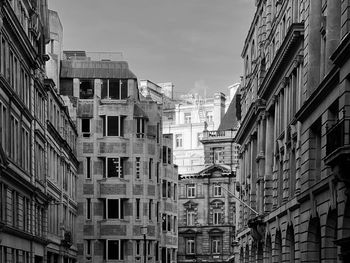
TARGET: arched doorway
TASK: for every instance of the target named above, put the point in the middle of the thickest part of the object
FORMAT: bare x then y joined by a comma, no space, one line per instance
268,250
278,247
330,248
313,252
290,244
246,258
241,255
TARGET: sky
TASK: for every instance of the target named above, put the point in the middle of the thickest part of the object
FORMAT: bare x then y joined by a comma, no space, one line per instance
195,44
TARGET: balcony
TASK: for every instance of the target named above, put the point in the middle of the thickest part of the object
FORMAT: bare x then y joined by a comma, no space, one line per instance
338,144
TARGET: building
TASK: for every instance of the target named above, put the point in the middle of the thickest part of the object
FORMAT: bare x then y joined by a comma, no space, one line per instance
207,209
23,167
294,134
127,181
62,164
186,120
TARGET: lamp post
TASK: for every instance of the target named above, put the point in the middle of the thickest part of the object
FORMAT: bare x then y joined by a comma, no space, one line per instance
144,233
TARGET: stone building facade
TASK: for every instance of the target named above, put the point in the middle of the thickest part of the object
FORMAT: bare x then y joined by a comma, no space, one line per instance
207,208
127,182
294,134
23,167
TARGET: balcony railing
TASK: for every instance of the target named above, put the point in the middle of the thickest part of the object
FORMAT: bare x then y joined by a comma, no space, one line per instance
338,136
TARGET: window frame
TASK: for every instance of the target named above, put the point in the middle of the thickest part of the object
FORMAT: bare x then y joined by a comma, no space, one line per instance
191,191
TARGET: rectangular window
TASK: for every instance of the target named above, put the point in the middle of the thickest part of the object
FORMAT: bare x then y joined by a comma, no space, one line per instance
169,189
209,116
138,164
140,127
157,212
150,165
169,222
164,222
115,167
88,167
149,247
191,190
88,247
158,171
164,188
85,127
138,208
217,217
88,208
191,218
86,89
190,246
115,89
178,140
150,204
187,117
216,245
217,190
115,209
169,156
175,192
164,154
113,126
156,251
115,250
138,247
218,155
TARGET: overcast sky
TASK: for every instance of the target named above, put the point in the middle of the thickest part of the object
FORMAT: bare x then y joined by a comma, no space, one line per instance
196,44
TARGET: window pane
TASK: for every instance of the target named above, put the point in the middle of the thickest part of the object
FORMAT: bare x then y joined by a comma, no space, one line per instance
114,89
87,89
113,167
113,208
104,89
85,125
113,126
124,88
113,249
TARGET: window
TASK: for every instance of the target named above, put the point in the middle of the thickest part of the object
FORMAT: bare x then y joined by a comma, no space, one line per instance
113,126
3,126
138,164
169,189
169,156
114,89
164,222
216,245
209,116
88,208
175,192
150,204
190,218
218,155
150,164
187,117
190,245
169,223
164,154
115,250
164,184
157,171
178,140
88,247
88,167
115,167
191,190
115,209
138,208
85,127
217,190
140,127
156,251
86,89
217,217
138,247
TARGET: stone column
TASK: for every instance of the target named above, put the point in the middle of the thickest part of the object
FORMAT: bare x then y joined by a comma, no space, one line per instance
268,183
332,30
314,49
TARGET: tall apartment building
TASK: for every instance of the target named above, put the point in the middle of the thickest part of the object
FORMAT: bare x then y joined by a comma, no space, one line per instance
294,134
23,196
127,182
207,209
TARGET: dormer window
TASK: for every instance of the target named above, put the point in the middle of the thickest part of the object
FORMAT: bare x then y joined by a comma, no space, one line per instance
116,89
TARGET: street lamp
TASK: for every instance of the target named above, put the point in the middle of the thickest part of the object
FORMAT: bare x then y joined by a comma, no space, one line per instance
144,233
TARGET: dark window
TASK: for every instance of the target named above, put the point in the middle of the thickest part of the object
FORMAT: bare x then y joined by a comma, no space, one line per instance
150,209
164,222
137,208
164,188
124,88
85,127
150,164
114,89
87,89
140,127
88,208
113,208
164,154
112,126
115,167
88,169
169,156
115,250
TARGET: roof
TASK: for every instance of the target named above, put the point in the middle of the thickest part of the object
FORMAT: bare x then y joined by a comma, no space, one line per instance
229,121
96,69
